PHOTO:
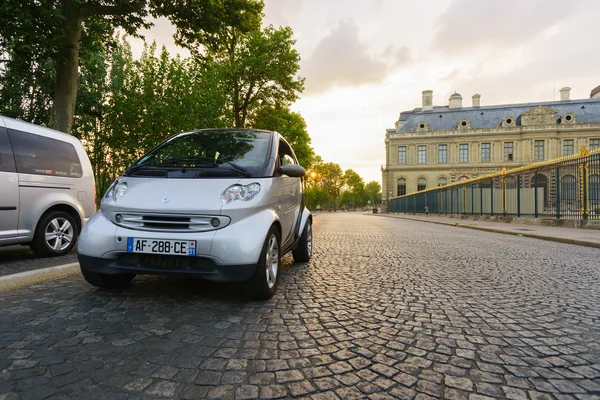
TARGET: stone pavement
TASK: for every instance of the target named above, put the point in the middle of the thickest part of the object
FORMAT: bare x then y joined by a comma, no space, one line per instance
583,237
17,259
387,308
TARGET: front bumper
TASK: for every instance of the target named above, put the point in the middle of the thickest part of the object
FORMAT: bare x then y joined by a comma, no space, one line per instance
152,264
227,254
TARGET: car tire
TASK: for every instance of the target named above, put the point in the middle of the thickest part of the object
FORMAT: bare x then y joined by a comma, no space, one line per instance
265,280
55,234
303,252
107,281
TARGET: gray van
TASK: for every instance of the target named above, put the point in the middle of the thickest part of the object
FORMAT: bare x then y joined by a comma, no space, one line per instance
47,189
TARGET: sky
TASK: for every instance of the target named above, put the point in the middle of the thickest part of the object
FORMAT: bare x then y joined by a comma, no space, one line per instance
365,61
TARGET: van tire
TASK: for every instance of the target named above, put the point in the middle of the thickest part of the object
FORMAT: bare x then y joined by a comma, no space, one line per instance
303,251
55,235
107,281
265,280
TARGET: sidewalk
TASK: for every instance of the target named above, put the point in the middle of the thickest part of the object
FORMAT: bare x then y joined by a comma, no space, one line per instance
582,237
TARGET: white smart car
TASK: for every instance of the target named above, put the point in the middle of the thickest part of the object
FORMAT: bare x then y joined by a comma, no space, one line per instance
221,204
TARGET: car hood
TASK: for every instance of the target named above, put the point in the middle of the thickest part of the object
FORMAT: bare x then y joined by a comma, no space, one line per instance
179,196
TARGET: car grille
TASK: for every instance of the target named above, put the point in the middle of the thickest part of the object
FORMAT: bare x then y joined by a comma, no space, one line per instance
162,262
169,222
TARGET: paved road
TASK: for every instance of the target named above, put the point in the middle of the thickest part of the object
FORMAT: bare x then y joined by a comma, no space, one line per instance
387,308
16,259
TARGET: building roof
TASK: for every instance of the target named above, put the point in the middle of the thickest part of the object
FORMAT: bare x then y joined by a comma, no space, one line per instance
595,91
443,118
455,95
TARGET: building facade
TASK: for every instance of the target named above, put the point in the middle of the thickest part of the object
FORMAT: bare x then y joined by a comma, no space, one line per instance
436,145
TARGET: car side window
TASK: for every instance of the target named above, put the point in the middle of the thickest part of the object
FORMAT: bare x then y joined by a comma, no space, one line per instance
285,154
40,155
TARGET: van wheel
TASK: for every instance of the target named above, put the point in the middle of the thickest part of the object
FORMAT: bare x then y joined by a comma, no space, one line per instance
107,281
303,252
263,283
55,235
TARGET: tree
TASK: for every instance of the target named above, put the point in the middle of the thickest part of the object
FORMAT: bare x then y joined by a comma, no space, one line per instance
291,125
55,30
331,179
258,68
374,190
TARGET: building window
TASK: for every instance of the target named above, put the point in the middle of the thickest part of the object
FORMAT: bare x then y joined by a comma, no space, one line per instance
538,152
508,151
422,154
485,152
568,188
568,147
442,153
442,181
401,187
421,184
402,155
594,144
464,153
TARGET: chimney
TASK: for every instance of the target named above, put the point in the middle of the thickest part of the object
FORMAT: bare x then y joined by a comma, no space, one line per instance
476,100
455,100
565,94
427,100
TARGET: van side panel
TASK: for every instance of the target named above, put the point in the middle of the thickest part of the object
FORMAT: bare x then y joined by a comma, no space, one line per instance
9,190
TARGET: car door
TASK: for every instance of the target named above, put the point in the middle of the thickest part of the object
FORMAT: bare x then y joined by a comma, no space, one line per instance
290,196
9,195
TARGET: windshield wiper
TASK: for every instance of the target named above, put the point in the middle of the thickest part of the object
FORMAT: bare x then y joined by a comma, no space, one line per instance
239,168
205,160
135,168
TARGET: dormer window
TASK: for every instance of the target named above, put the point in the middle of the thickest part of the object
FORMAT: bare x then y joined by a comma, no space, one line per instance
422,126
464,124
568,118
509,121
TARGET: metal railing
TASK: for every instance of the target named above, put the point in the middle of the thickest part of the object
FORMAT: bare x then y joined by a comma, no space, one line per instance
566,187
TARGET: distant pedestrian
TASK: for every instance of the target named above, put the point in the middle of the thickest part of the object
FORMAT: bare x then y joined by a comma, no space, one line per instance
427,209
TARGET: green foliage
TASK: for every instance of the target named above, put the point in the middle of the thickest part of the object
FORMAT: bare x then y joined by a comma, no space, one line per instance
257,68
291,125
48,38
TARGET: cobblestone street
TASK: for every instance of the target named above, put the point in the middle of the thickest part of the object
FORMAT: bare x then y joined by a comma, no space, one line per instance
387,308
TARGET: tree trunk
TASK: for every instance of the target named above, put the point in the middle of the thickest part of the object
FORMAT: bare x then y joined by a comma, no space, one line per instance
67,70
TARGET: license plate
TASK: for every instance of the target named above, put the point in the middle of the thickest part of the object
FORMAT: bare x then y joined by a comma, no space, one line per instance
162,246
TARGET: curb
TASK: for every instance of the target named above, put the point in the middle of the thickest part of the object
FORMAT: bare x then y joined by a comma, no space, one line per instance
493,230
15,281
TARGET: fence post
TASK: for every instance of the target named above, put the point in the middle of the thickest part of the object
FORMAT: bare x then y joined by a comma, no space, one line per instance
472,198
504,195
465,199
480,199
535,194
451,202
492,198
558,193
441,208
584,190
518,195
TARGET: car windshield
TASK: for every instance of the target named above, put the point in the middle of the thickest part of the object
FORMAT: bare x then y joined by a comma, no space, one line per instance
210,148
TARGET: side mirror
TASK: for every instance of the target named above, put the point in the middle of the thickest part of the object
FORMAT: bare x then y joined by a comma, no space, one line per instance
293,170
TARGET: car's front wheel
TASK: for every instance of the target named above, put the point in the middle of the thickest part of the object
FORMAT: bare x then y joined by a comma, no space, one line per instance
303,252
107,281
263,283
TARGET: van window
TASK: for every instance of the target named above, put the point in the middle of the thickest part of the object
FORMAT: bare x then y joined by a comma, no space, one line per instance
40,155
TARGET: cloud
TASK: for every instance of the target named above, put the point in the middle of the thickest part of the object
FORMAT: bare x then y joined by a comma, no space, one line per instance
340,59
398,57
470,24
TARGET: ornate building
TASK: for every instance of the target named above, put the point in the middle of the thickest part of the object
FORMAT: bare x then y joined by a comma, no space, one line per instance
436,145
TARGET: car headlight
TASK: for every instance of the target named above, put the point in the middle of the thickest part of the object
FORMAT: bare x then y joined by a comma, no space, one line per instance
240,192
119,190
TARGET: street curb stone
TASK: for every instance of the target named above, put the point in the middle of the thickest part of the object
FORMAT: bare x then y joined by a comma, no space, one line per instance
493,230
15,281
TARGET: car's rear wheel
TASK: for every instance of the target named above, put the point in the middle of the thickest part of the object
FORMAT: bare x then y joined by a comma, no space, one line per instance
303,251
107,281
263,283
55,234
